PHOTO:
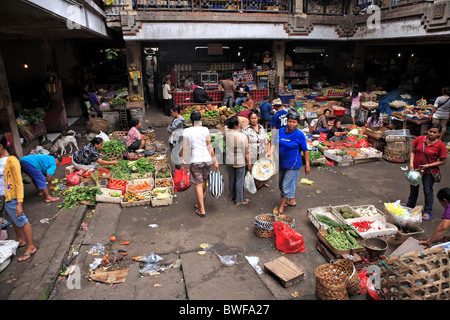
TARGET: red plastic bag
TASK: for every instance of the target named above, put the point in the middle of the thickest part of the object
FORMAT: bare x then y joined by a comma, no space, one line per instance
287,239
181,179
74,179
363,143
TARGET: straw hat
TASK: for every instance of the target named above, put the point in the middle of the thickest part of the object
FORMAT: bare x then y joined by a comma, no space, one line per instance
277,102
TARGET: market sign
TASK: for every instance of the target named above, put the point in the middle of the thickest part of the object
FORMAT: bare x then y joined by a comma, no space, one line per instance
215,49
335,93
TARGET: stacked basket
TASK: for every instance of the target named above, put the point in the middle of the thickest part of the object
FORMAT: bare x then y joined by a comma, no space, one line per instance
331,282
397,147
264,224
353,282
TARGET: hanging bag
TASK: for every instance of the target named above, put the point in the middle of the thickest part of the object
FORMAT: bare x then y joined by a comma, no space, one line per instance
181,179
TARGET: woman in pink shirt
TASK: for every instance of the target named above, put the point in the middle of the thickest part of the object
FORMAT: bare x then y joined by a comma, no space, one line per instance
135,140
356,103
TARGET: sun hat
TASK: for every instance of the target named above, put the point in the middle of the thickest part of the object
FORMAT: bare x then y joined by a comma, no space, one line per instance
277,102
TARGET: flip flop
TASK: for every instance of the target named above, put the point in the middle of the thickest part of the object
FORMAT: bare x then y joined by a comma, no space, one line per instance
22,245
290,205
429,217
26,256
200,214
246,201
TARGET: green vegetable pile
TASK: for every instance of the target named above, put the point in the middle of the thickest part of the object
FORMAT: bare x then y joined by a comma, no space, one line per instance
142,166
347,213
34,116
212,113
238,109
342,240
114,146
76,194
120,170
314,155
118,101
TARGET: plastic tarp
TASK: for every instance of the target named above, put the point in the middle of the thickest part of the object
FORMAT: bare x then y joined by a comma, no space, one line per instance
396,95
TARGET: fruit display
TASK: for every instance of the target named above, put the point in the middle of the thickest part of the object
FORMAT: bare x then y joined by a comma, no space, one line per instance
130,196
163,173
135,98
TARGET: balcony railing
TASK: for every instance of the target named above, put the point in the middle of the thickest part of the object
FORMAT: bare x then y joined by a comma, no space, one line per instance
240,6
387,4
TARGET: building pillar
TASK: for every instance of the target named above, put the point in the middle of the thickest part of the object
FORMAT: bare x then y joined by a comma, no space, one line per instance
56,118
298,8
279,52
6,102
133,53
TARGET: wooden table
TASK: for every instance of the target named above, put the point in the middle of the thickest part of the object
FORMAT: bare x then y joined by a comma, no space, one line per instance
424,123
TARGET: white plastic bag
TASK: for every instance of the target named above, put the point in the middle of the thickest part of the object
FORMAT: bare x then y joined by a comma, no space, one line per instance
103,135
249,183
7,249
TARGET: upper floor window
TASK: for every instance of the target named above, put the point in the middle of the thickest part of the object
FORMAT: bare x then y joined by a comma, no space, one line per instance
329,7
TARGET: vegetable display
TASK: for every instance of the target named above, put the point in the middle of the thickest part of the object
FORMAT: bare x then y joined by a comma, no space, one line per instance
342,240
114,146
141,186
76,194
314,155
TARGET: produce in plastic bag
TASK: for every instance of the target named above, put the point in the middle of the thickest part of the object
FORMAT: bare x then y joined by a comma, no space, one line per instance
249,183
414,177
287,239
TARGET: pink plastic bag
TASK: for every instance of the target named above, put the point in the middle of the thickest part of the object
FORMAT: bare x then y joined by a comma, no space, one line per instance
287,239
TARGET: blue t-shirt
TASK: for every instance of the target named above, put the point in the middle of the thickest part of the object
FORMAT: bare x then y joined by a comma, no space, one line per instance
279,119
265,108
290,147
93,99
44,163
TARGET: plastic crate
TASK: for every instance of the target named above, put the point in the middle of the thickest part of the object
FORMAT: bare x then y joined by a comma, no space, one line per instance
400,133
286,99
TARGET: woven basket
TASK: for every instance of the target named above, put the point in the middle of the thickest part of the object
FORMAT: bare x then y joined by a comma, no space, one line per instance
417,275
354,282
113,157
97,124
151,136
264,233
286,220
210,121
118,134
331,282
395,155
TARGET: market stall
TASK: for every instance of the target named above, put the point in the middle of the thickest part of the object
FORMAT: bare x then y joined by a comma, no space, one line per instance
143,178
184,98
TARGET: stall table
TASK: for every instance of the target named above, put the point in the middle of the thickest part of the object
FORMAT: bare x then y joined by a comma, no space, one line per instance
424,123
184,98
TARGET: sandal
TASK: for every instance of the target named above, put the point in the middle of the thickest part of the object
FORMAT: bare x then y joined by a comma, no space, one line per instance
246,201
201,215
429,217
27,256
290,205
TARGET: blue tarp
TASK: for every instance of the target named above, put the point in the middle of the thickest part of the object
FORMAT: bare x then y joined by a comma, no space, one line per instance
396,95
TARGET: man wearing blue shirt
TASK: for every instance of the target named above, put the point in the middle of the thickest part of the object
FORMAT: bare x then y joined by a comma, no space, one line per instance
266,112
279,119
40,168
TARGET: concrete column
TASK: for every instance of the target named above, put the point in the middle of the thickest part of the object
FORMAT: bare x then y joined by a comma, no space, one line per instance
133,53
279,51
298,8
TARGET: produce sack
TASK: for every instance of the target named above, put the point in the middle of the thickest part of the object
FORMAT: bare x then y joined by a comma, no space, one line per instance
74,179
287,239
414,177
249,183
181,179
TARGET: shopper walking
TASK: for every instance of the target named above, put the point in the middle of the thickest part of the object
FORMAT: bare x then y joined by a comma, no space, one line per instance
427,154
257,142
291,142
238,158
279,119
176,134
441,110
197,140
11,188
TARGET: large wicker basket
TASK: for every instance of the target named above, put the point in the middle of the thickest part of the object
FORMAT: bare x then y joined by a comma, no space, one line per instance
417,275
97,124
331,282
354,282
